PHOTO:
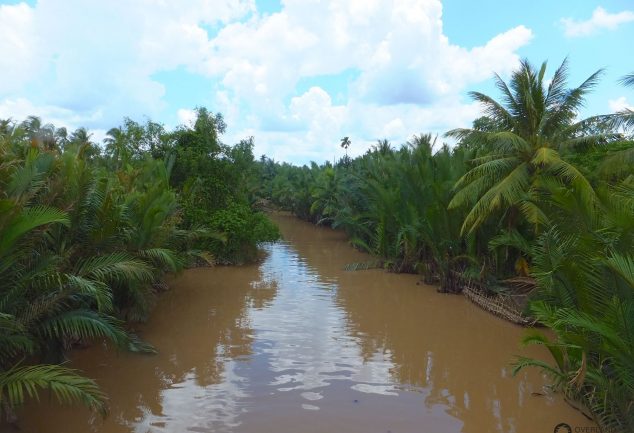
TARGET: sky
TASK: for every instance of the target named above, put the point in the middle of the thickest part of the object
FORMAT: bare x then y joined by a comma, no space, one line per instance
298,75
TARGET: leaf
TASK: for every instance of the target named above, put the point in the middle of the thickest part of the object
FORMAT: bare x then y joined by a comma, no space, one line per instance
65,384
27,220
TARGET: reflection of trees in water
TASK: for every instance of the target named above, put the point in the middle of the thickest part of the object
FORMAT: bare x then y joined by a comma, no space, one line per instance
263,293
204,329
222,325
224,335
197,326
438,348
459,359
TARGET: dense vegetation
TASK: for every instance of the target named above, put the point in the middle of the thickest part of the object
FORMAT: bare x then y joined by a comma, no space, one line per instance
88,233
532,203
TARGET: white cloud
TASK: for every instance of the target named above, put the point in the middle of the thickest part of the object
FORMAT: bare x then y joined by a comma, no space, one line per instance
20,108
409,79
363,123
413,66
17,45
394,128
619,104
186,116
99,57
601,19
398,47
91,63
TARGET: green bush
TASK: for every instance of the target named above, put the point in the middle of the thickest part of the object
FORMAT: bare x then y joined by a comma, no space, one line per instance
243,229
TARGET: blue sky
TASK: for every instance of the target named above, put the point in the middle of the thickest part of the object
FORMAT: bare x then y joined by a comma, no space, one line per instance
297,75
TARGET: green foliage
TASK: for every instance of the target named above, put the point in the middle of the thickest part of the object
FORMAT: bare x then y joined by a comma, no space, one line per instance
594,358
530,194
66,385
216,190
243,229
392,203
535,124
85,238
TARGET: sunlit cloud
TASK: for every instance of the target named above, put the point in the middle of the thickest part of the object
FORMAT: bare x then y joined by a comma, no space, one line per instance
389,67
620,104
600,20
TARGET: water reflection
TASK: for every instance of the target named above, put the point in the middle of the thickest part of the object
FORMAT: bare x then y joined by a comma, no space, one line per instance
295,344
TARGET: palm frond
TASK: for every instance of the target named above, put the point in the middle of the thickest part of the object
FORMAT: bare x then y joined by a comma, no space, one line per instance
627,80
118,266
27,220
162,258
20,383
83,324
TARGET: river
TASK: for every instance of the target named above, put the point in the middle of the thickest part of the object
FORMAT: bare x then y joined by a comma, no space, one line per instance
296,344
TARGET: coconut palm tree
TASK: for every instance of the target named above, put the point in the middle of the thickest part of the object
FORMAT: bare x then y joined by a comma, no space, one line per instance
534,124
345,143
117,147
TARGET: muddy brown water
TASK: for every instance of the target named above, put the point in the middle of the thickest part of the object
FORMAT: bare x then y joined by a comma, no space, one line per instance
296,344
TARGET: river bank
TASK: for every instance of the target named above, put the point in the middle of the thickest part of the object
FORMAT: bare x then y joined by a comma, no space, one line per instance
295,343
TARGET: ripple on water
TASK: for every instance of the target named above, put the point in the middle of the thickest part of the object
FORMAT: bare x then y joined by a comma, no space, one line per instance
297,344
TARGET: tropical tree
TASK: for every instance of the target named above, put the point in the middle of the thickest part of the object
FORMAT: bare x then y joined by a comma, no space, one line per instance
533,126
345,143
40,134
526,192
324,195
48,299
116,147
627,114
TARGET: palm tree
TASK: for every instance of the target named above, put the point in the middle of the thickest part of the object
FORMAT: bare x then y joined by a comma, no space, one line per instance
82,138
587,299
345,143
382,147
36,312
39,133
117,147
58,269
324,195
532,126
61,137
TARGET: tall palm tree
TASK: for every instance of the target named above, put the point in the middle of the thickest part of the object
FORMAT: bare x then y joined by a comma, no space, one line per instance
345,143
534,123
